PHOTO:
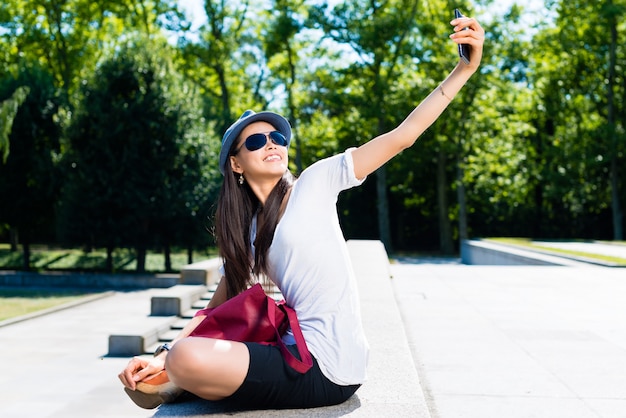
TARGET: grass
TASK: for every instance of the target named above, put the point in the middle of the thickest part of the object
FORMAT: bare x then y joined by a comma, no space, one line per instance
536,245
54,259
16,302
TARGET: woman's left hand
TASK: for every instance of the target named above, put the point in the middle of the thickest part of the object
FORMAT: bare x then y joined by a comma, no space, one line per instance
139,369
474,37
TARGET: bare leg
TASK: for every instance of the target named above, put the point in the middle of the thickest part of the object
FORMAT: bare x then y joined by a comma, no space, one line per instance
211,369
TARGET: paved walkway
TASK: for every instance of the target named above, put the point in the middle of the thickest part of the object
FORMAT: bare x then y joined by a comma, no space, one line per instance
516,342
487,342
55,365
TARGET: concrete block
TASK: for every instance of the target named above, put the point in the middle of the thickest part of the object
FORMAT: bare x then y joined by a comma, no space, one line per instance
136,337
175,300
476,252
203,272
393,384
87,280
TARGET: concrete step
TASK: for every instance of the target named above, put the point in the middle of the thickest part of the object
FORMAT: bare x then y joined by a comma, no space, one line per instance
189,313
180,323
199,304
176,299
136,337
204,272
168,335
170,310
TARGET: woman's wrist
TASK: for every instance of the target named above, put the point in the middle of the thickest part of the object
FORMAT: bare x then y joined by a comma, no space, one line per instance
465,70
162,350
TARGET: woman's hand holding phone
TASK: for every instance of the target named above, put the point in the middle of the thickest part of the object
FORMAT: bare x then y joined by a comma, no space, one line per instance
469,36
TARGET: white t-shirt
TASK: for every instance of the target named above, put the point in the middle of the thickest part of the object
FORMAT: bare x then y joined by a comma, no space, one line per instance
309,262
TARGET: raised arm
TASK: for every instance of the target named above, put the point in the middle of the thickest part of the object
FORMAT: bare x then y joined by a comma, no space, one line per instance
373,154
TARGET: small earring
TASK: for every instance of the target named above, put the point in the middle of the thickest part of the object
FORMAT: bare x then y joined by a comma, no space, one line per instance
241,179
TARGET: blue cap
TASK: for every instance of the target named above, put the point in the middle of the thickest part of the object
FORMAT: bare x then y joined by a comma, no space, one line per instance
278,122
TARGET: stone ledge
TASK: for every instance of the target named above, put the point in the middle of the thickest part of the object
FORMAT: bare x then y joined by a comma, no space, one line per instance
393,386
87,280
476,252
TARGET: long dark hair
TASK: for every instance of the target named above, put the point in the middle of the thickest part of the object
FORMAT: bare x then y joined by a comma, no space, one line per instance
236,208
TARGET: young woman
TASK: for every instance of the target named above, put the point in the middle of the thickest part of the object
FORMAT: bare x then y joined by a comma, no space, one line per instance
270,224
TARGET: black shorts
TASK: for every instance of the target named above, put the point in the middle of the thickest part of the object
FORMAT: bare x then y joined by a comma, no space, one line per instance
272,384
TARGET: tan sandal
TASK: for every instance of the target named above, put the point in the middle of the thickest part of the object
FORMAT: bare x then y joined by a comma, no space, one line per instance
153,392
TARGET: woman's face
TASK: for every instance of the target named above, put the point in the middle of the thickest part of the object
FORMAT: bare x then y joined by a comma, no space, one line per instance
268,161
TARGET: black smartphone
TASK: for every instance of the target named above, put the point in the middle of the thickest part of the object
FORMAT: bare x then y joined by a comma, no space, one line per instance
464,50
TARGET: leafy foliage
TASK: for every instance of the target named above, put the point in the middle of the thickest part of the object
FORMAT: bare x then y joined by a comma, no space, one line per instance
8,110
533,145
29,180
137,157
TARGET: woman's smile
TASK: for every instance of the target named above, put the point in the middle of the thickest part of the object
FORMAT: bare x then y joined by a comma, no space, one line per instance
273,157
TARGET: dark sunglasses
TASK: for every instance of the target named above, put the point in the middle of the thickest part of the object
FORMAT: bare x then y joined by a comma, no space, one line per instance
258,141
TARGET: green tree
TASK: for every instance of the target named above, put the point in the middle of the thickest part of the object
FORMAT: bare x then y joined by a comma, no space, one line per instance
68,37
489,131
219,62
193,179
580,135
137,156
613,13
28,177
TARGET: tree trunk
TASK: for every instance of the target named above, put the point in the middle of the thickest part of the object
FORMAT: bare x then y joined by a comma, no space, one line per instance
141,258
618,218
445,229
14,238
618,227
167,255
460,193
26,248
383,208
189,254
109,262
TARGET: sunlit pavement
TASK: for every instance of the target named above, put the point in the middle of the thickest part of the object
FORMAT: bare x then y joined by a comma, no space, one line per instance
498,341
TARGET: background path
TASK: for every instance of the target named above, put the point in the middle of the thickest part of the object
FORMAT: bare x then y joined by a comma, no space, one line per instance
494,341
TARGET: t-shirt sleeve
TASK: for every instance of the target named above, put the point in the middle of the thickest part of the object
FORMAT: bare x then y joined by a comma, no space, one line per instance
333,174
348,163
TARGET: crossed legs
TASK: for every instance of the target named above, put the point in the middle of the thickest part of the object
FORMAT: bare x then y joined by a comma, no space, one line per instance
211,369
